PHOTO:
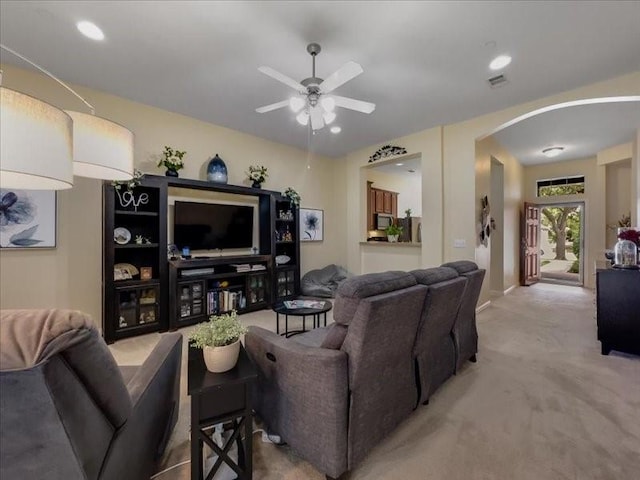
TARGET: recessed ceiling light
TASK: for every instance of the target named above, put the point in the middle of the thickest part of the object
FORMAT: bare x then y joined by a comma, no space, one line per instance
399,164
90,30
552,151
336,129
500,62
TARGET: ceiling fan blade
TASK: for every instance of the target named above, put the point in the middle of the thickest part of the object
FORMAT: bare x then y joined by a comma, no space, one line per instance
283,78
353,104
341,76
316,118
273,106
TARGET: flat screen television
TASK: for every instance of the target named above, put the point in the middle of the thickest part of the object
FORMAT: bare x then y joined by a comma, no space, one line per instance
210,226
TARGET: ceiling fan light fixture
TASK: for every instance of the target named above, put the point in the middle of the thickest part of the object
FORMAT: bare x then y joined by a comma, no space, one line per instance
552,151
329,117
328,104
296,104
303,118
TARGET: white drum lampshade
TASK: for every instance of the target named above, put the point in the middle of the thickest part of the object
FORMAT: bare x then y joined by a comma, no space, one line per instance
101,148
36,143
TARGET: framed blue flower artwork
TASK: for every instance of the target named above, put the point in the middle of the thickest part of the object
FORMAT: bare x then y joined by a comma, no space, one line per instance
311,225
27,218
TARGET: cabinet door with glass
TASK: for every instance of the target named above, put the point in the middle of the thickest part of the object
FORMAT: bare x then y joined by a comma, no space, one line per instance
285,283
257,289
136,307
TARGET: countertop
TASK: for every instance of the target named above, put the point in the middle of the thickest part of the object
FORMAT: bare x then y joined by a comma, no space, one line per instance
392,244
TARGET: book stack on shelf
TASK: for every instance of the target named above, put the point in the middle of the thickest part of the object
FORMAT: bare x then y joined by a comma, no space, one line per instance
241,267
222,301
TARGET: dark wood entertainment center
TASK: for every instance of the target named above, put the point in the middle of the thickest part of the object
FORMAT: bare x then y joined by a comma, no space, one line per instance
180,292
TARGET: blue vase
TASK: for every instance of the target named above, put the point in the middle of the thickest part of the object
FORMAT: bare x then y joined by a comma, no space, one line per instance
217,170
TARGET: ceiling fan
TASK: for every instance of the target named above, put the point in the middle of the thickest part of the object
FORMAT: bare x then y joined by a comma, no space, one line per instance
314,100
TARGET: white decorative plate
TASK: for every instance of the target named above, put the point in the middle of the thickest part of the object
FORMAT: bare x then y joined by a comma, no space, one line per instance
282,259
121,235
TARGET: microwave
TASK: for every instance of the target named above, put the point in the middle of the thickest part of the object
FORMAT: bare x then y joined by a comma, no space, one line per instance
383,221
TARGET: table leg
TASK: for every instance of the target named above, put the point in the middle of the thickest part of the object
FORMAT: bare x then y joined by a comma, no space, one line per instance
277,323
325,319
304,323
248,438
286,325
196,441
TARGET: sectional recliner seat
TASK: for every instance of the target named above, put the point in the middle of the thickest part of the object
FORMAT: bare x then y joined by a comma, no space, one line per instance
334,393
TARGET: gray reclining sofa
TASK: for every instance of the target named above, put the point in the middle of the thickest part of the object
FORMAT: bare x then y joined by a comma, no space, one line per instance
333,393
66,411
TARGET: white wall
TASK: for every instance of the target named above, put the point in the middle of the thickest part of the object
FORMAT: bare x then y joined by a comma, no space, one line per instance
408,186
618,196
70,275
507,233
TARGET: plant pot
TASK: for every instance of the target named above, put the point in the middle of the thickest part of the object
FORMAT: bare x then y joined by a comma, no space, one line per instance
256,184
392,238
171,173
221,359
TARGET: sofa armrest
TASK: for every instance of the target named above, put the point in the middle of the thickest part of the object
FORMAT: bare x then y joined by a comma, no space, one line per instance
155,394
168,349
303,395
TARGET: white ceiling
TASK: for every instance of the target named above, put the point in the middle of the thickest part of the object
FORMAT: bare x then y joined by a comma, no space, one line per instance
411,165
583,131
425,63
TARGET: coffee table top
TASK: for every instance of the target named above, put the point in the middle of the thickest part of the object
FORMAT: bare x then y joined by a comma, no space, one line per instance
280,307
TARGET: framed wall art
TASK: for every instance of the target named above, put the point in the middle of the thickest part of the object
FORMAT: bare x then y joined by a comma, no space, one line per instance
27,218
311,225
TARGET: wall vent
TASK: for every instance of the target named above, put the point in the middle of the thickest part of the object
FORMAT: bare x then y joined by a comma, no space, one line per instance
498,81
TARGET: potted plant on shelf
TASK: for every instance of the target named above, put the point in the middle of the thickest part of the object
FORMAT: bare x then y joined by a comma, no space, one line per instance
292,195
219,339
393,232
172,161
257,175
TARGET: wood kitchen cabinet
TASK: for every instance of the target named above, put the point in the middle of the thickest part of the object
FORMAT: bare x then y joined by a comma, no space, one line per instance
380,201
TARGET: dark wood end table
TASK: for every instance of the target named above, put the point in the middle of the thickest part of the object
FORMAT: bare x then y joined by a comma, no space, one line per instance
221,398
281,309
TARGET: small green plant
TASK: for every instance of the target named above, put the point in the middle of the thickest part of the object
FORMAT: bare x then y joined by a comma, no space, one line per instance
129,184
219,331
545,262
393,230
292,195
257,173
575,267
172,159
407,212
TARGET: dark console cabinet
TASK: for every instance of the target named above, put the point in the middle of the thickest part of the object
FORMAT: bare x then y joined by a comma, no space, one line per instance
144,292
618,304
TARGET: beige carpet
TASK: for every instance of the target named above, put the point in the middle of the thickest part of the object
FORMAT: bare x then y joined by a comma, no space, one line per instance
541,403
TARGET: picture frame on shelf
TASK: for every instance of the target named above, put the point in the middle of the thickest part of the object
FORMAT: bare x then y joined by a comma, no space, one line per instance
28,219
311,225
146,273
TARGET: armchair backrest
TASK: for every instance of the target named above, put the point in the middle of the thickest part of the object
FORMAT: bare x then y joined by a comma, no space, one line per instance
62,395
382,312
434,349
465,330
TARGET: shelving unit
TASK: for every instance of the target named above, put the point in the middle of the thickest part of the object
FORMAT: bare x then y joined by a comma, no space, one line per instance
286,278
133,306
193,298
178,298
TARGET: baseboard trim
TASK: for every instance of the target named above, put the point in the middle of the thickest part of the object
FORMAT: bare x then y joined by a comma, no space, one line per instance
510,289
484,306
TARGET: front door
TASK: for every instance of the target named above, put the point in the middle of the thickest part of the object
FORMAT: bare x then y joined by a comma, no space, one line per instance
530,251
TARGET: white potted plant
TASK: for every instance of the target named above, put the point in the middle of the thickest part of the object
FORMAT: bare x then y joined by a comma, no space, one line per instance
393,232
219,339
172,161
257,174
